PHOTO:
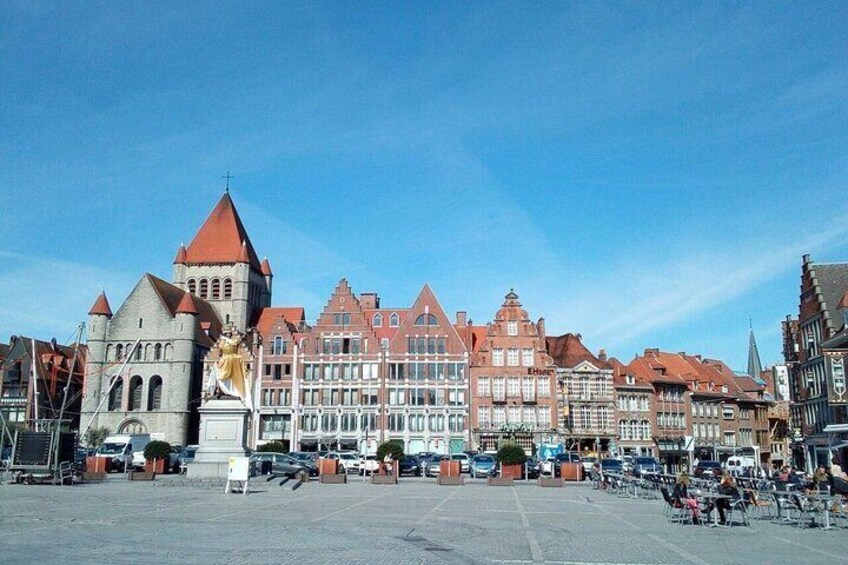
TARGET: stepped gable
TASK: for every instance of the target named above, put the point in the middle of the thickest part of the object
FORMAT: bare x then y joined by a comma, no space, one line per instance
172,296
568,351
343,301
101,306
826,284
273,320
220,239
427,303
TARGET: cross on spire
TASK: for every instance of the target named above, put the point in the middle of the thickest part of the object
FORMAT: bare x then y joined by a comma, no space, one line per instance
228,176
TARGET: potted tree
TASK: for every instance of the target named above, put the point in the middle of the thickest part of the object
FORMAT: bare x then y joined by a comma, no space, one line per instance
388,475
157,455
511,458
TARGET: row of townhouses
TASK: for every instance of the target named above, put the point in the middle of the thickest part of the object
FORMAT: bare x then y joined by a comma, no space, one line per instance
362,373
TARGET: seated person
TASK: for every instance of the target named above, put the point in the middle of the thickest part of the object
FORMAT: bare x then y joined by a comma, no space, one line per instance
728,488
681,495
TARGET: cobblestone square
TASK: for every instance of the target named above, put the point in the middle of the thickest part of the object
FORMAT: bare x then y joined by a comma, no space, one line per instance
413,522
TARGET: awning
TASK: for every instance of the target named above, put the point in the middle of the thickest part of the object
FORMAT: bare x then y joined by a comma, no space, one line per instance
836,428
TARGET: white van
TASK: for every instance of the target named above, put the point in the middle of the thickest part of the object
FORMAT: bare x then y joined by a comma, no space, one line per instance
738,465
120,448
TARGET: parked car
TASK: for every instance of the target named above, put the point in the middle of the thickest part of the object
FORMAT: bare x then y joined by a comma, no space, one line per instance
186,456
482,466
349,461
425,460
532,468
565,457
588,463
433,465
471,453
706,469
739,466
281,464
612,466
369,465
646,465
124,449
305,456
464,461
409,465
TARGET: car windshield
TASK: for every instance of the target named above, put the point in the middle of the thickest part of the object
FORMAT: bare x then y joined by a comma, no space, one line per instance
612,463
645,461
410,459
709,464
484,459
347,456
111,448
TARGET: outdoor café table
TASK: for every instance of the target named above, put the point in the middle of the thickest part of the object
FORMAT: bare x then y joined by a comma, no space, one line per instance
714,497
826,500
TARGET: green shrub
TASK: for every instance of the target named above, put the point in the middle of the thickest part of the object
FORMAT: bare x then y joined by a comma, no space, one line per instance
395,448
157,450
510,453
271,447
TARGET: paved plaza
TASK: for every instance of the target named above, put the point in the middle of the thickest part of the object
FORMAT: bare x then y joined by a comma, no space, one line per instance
415,522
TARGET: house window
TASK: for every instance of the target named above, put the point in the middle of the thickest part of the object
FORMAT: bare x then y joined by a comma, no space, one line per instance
279,347
378,320
140,323
727,412
544,386
154,395
513,386
341,319
483,417
512,327
426,320
527,357
394,320
497,357
483,387
512,357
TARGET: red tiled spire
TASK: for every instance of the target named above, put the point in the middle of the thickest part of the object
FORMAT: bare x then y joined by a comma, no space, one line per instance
844,302
101,306
186,305
180,259
222,238
266,267
244,256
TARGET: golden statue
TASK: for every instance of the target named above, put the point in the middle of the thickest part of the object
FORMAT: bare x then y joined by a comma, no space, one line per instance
230,371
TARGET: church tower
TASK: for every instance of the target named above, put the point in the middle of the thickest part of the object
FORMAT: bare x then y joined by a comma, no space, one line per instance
221,267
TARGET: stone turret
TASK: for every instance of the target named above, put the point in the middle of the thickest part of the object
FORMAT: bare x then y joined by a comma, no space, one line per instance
98,327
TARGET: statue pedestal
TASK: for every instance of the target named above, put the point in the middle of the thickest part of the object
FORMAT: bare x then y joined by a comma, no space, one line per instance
223,434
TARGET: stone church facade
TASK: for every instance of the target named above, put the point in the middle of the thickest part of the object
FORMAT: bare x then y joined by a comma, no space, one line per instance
217,281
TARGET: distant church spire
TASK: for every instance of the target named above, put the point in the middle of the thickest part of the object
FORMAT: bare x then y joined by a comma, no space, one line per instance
754,365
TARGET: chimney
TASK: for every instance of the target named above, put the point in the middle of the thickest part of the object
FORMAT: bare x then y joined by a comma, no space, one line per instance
461,318
369,300
602,355
652,352
805,259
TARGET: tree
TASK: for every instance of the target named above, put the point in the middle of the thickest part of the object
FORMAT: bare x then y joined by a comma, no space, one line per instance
157,449
271,447
510,453
95,437
395,448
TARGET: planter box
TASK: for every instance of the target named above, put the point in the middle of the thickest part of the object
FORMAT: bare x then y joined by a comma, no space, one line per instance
332,479
571,471
512,471
155,466
384,480
141,476
449,469
101,476
327,466
384,470
501,481
457,480
97,464
550,482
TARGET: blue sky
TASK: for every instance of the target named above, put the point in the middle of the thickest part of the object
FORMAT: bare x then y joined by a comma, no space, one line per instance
648,175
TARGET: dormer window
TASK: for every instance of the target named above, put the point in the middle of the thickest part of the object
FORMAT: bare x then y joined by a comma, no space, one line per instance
377,320
724,389
394,320
629,379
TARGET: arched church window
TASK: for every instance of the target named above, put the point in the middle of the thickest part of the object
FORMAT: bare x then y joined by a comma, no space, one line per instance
204,289
216,289
228,289
135,393
116,396
154,395
192,286
157,352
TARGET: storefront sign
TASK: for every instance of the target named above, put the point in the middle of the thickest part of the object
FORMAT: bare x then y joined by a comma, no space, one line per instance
537,371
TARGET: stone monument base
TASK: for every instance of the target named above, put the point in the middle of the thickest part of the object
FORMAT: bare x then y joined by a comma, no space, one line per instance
223,434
